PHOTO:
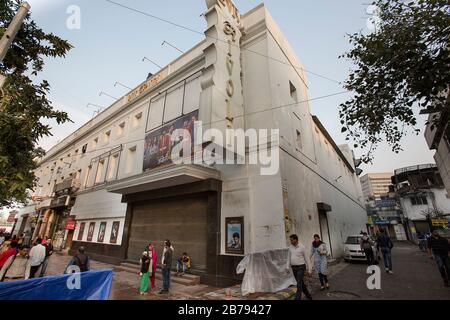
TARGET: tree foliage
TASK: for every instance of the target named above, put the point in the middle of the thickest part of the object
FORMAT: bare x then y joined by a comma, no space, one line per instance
24,104
400,69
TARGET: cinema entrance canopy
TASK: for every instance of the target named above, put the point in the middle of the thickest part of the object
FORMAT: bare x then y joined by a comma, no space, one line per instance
164,177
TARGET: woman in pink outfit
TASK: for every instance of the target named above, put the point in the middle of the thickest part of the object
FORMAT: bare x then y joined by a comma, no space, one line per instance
153,256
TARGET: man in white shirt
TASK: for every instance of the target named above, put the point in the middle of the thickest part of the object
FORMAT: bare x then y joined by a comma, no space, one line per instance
299,264
36,257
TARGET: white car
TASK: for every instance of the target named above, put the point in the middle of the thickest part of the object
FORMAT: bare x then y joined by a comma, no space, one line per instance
352,249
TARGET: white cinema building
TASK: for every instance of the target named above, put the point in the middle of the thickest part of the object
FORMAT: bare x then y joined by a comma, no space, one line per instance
243,75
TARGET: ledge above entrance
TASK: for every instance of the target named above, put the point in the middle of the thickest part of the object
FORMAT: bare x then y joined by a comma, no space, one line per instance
164,177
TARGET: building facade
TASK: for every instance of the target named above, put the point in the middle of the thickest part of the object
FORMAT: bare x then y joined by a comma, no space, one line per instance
422,197
438,139
115,179
376,185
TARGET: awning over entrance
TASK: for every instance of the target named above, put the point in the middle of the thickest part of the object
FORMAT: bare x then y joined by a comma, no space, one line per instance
163,178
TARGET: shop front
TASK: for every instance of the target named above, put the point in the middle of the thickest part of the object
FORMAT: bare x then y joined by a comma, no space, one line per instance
181,204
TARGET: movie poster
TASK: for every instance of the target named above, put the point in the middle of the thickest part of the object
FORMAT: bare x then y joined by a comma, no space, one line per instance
81,231
91,231
101,232
234,228
158,144
114,232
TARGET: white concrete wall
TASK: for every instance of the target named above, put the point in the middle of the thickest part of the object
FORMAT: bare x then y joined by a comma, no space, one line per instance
442,202
307,170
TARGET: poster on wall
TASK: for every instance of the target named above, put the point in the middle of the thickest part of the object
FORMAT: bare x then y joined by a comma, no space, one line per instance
91,231
114,232
234,233
101,232
81,231
159,145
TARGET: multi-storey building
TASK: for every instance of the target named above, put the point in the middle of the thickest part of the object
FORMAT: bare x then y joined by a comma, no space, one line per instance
376,185
438,138
111,186
422,196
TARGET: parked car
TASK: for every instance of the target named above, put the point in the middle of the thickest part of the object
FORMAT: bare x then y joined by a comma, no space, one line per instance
352,249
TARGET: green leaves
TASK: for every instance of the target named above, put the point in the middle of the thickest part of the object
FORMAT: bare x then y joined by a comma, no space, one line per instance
402,68
23,104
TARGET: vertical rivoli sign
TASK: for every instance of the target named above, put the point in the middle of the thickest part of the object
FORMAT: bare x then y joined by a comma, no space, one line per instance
221,98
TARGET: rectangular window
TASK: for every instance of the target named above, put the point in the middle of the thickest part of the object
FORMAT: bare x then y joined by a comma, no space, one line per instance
293,91
131,160
100,167
419,200
112,169
174,103
155,115
84,149
88,176
299,139
192,95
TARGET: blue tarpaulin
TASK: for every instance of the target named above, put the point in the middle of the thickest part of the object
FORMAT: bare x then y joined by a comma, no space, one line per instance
92,285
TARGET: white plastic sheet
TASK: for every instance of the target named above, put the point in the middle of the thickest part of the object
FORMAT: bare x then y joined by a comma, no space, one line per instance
266,272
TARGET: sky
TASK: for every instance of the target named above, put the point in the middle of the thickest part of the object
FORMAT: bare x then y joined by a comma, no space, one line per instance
111,42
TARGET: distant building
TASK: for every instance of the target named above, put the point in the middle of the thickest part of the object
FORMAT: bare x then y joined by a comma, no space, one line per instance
422,197
438,138
375,185
386,213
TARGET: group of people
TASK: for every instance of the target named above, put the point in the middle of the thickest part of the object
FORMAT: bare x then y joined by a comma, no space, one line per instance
301,262
19,261
383,244
148,264
436,246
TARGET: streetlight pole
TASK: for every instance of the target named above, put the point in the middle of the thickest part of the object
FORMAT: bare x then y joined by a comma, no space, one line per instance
11,32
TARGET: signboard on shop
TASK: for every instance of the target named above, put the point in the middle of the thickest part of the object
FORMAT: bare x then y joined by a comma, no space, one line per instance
71,224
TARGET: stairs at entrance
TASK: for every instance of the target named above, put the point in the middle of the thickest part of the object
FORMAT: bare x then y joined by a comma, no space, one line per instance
186,279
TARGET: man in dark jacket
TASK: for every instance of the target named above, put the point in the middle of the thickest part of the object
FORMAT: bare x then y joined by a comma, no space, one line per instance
385,244
438,250
166,266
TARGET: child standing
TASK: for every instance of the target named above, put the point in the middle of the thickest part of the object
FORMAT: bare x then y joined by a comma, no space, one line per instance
145,267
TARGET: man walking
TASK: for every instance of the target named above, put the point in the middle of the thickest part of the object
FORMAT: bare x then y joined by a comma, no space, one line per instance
366,246
385,244
48,253
299,264
438,250
36,257
166,266
16,266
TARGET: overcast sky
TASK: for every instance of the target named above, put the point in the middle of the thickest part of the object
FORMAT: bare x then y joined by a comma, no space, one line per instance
111,42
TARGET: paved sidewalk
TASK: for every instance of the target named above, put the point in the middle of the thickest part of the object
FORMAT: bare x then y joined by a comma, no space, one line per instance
126,285
415,277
